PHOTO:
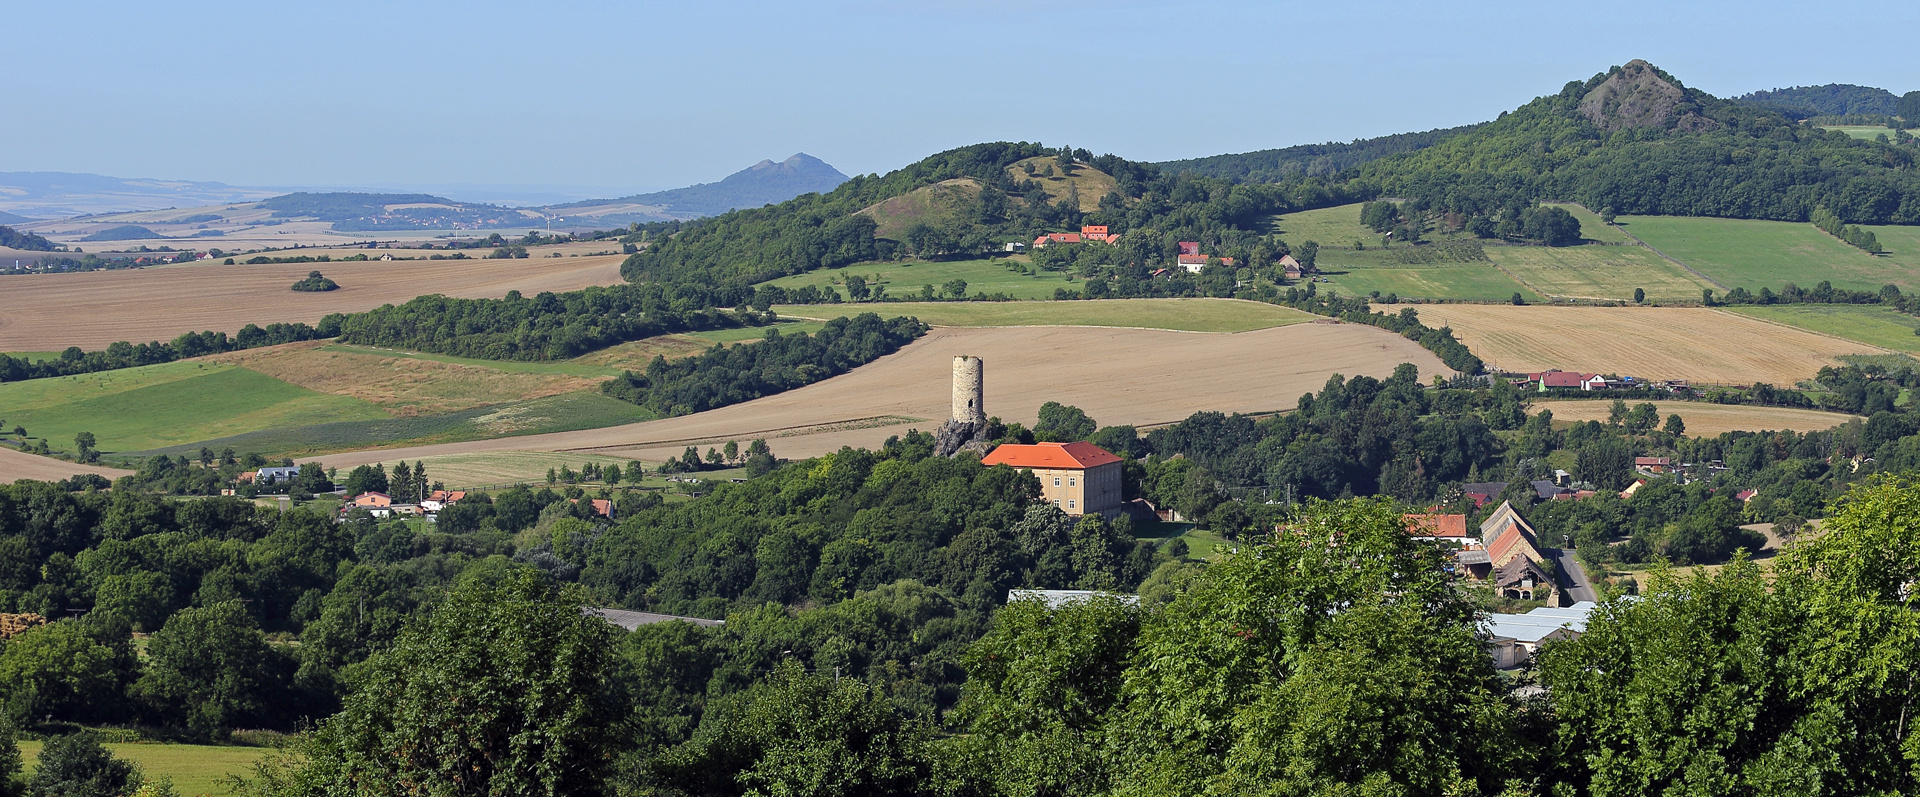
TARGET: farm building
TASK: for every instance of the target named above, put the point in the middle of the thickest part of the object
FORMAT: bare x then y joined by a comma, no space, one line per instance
1516,637
266,476
1056,598
1097,232
1080,478
1056,238
441,499
1291,267
1653,464
1483,493
1440,528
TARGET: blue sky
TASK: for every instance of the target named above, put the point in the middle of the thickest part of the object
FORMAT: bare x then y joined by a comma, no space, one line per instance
631,95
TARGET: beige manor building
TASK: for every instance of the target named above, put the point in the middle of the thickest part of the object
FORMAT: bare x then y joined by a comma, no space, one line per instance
1080,478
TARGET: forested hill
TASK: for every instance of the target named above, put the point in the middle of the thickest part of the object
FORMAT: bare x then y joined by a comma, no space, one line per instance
1833,99
1633,139
1310,160
15,239
1636,140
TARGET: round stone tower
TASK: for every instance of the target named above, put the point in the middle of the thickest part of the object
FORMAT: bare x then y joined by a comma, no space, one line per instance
969,390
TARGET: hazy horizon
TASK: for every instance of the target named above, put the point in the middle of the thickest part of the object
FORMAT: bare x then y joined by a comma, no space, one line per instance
612,99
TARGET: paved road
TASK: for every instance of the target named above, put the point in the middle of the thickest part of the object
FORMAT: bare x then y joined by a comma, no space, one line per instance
1578,587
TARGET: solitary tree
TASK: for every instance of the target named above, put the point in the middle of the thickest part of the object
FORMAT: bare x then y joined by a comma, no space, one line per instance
1675,426
1639,295
84,443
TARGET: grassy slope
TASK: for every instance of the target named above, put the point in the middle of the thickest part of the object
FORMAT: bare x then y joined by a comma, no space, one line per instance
1591,227
1598,272
1091,183
1902,245
1467,281
1872,325
1757,254
175,403
195,769
1192,315
564,413
1335,228
903,278
1865,132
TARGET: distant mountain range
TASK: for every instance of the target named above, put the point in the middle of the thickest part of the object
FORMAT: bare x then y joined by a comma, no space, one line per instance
764,183
29,196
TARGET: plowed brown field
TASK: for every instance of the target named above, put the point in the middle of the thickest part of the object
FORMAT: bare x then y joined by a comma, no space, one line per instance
1695,343
1119,376
49,312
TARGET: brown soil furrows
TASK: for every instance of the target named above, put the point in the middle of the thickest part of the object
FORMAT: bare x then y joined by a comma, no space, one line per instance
1693,343
1119,376
15,465
49,312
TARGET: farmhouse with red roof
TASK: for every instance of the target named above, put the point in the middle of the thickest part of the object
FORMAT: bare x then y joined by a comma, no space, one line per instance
1080,478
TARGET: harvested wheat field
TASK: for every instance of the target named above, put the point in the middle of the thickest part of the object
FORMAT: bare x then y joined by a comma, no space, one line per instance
1119,376
1708,420
49,312
15,465
1693,343
403,386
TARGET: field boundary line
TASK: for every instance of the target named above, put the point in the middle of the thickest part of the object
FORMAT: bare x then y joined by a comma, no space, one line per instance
784,431
1523,283
1671,259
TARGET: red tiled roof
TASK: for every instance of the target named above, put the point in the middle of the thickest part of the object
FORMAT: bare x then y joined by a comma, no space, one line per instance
1050,455
1093,229
1432,525
1197,260
1564,379
1647,462
1189,247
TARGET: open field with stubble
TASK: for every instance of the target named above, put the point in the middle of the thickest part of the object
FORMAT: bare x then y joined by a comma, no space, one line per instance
49,312
1769,254
1607,273
1695,343
1707,420
1119,376
1187,315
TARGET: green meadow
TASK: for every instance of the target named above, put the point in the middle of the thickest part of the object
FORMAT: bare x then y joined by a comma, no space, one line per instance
906,278
1191,315
1480,282
195,769
1591,227
169,404
1866,132
1870,324
1769,254
1598,272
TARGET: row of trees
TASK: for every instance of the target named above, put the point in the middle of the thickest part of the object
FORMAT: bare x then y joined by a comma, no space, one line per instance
727,374
191,344
1856,236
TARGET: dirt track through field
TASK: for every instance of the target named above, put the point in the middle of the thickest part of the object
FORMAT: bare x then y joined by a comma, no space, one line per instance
49,312
1118,376
15,465
1693,343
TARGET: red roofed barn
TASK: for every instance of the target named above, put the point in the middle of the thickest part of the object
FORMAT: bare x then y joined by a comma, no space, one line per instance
1080,478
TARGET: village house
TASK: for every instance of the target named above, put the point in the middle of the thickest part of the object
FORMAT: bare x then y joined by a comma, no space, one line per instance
1096,232
441,499
1483,493
1056,238
1079,478
370,501
1653,464
1433,527
1555,379
266,476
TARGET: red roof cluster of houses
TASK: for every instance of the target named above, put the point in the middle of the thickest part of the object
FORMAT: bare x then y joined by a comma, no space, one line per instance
1088,232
